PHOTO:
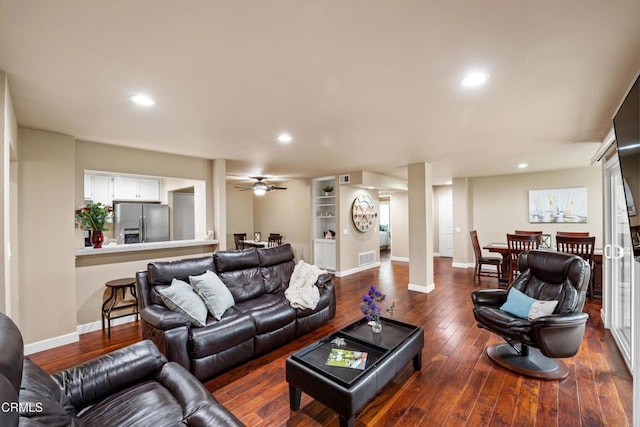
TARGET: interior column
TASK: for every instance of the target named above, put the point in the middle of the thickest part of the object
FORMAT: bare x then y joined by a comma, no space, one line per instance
220,202
421,230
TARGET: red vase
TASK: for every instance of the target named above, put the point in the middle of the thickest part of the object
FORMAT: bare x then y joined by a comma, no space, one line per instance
96,239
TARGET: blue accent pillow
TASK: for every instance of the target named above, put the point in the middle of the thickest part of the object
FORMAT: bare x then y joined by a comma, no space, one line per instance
518,304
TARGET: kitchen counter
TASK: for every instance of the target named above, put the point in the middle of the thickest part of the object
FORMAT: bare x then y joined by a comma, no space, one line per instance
137,247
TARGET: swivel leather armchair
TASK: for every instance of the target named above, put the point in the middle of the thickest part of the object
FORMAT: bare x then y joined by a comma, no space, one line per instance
546,276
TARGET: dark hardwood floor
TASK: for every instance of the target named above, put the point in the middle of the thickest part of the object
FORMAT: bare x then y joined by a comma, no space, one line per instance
457,386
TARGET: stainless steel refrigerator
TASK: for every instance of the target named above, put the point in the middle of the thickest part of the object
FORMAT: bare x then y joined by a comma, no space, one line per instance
141,222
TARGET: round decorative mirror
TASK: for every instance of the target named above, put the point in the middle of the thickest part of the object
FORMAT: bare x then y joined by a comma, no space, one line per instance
362,213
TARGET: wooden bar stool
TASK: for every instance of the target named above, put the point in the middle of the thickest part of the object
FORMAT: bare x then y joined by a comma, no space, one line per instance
114,307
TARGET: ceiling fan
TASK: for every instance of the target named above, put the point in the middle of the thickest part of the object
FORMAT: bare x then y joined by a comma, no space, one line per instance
260,188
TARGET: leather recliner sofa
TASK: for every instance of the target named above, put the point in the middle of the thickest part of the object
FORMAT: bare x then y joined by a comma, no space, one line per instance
133,386
261,320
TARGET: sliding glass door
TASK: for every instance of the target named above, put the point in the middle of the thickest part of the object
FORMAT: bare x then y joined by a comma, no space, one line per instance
618,263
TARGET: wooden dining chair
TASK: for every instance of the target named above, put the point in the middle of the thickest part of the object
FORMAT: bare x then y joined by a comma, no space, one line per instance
527,232
274,240
584,247
484,260
573,233
239,239
518,243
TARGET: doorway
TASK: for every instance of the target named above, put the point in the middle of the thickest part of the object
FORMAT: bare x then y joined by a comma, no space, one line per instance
183,216
445,224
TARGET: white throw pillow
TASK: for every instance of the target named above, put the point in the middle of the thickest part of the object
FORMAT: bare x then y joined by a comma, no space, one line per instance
541,309
215,294
181,298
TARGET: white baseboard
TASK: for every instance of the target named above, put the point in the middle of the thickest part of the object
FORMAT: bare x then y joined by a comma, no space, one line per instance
357,269
43,345
399,259
97,325
422,288
462,265
58,341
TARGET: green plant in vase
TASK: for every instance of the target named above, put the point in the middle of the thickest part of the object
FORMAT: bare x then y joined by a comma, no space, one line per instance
327,189
93,217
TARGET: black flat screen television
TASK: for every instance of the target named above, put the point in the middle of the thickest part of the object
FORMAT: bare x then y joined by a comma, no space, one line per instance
626,125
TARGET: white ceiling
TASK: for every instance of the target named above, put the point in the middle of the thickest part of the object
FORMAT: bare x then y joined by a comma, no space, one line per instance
361,85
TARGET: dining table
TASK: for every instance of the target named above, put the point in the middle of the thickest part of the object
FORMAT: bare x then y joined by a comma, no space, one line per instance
503,249
255,243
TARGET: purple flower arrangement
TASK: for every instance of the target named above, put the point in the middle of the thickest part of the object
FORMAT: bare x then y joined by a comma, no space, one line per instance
371,304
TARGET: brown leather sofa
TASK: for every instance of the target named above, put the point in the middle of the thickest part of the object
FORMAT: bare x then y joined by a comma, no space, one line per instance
261,319
133,386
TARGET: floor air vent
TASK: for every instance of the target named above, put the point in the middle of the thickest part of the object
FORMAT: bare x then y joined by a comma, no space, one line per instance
365,258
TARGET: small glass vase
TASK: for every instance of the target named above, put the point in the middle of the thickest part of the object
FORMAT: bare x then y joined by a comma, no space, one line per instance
96,239
376,326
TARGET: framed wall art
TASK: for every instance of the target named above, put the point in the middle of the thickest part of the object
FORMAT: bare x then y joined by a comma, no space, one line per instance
558,205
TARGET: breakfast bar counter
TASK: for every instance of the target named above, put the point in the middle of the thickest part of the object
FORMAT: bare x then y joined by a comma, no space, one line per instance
135,247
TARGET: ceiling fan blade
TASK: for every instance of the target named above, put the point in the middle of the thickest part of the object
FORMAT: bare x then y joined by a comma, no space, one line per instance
273,187
243,188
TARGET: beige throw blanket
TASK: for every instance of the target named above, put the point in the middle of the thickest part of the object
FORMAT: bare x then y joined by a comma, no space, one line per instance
302,291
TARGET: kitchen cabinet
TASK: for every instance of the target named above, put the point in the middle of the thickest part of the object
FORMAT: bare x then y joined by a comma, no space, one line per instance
98,188
134,188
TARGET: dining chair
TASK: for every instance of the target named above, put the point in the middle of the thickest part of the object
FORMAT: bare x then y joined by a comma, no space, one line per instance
573,233
239,239
274,240
583,247
484,260
518,243
527,232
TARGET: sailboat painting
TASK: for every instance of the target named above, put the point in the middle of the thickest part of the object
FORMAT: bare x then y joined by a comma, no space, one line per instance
558,205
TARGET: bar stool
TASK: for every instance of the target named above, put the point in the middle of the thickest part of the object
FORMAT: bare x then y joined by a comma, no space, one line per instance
121,307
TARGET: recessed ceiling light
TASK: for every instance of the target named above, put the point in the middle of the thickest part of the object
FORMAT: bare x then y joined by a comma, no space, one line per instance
477,78
523,165
449,182
285,138
144,100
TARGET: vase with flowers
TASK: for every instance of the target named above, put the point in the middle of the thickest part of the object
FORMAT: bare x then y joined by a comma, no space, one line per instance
93,217
371,307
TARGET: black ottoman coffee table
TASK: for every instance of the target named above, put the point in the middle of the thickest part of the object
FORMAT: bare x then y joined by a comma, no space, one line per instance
346,390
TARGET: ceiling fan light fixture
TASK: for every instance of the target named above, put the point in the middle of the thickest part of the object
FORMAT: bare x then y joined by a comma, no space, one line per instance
260,188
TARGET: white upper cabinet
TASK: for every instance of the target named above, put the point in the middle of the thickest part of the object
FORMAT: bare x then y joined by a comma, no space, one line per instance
88,186
98,188
105,188
149,189
125,188
138,189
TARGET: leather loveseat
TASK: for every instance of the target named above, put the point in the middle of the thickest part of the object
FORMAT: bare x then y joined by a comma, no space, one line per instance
261,320
132,386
